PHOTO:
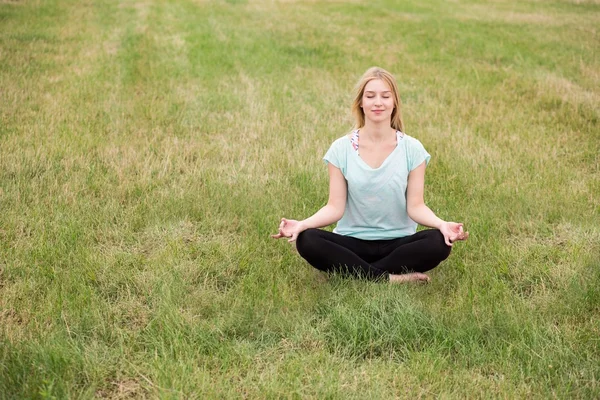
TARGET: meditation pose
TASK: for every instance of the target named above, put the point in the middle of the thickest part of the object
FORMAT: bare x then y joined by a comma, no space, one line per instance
376,183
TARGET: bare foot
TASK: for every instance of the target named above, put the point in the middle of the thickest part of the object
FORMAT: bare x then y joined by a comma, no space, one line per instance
412,277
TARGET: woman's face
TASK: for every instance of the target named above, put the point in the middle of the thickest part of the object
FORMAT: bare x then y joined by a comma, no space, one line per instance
377,101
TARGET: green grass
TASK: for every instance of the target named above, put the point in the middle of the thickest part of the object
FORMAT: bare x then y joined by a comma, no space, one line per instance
148,149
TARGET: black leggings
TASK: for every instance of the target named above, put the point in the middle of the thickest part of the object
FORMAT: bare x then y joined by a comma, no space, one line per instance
372,259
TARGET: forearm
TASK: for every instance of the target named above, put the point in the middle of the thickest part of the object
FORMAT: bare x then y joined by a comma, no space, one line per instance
423,215
324,217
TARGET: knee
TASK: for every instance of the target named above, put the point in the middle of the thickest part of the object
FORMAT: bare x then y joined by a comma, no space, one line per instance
439,246
306,240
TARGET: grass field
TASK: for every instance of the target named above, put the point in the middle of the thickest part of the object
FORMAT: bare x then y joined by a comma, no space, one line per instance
148,149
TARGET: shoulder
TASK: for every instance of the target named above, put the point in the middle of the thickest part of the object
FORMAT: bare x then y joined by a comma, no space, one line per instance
415,152
343,140
338,152
341,143
411,141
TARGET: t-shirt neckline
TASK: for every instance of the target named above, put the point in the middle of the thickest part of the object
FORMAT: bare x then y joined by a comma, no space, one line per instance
354,143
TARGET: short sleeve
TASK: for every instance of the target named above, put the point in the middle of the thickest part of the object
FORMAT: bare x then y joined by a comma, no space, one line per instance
416,154
337,154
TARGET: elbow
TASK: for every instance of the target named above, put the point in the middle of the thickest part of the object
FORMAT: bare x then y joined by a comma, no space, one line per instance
336,212
413,210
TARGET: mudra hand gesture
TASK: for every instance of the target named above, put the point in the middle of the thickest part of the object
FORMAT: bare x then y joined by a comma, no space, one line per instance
453,232
289,228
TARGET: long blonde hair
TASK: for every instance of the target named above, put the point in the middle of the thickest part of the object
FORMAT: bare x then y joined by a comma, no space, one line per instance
377,73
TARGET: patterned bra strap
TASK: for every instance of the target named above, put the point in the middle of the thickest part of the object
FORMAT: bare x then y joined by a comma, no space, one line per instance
354,140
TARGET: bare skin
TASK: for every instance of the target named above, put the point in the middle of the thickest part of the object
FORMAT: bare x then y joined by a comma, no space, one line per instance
410,277
377,141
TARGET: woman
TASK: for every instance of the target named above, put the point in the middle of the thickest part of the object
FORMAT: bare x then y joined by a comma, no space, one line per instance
376,183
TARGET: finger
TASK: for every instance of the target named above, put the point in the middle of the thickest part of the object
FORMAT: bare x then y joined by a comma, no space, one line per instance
293,238
280,234
447,240
464,236
277,236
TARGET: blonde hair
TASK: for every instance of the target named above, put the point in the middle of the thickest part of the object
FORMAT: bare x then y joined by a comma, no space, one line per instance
371,74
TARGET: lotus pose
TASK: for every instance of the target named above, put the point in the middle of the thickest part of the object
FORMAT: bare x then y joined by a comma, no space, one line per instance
376,183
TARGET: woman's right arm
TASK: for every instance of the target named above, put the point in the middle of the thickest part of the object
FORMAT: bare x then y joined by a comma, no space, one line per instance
329,214
334,209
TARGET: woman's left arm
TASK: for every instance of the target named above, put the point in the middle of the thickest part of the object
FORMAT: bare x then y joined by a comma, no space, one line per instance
421,214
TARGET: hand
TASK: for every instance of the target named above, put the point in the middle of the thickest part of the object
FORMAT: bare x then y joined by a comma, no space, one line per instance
452,232
289,228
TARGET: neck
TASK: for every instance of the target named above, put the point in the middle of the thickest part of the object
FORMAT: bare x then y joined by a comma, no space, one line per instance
378,132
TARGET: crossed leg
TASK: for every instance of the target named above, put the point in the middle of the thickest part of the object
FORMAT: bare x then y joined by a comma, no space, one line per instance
399,260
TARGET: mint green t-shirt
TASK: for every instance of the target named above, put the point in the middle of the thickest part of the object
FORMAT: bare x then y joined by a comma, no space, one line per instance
376,203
